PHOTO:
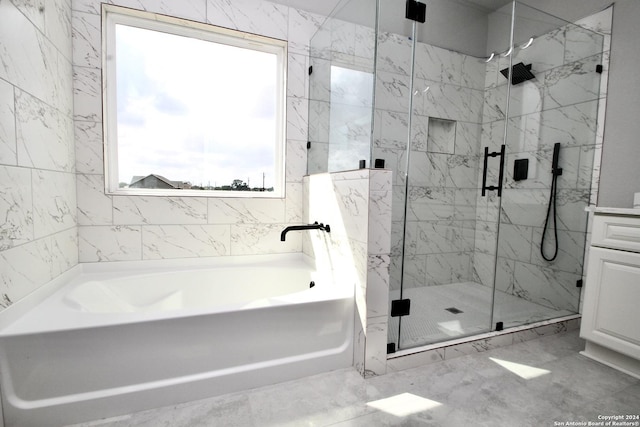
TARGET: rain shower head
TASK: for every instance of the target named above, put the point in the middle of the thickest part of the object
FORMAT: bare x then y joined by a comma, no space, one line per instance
520,73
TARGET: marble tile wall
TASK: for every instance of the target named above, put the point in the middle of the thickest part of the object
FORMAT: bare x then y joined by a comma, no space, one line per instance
564,103
38,219
115,228
357,206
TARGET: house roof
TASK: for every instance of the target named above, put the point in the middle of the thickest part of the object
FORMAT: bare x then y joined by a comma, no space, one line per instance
138,178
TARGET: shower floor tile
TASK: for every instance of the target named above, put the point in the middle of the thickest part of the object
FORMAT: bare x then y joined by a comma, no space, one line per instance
432,320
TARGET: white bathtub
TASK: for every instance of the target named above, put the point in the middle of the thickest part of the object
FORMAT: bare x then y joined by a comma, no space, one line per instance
123,337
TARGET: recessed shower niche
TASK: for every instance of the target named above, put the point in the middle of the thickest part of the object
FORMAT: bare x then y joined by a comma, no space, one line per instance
441,136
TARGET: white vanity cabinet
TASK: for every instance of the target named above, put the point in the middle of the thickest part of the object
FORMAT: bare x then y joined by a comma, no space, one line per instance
611,310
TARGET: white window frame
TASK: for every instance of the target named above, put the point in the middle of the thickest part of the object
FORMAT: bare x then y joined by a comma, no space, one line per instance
112,15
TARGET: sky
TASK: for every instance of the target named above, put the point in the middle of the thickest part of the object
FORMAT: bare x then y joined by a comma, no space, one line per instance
193,110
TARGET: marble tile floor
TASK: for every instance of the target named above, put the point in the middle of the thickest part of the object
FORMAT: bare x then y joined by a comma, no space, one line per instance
533,383
430,322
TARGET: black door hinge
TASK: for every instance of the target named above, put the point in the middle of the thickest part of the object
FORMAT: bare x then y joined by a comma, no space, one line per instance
400,307
310,69
416,11
391,347
579,283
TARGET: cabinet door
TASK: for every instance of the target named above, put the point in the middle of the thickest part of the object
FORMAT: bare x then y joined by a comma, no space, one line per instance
611,313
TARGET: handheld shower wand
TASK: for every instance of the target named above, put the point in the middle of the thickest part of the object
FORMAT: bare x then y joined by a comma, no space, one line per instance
555,171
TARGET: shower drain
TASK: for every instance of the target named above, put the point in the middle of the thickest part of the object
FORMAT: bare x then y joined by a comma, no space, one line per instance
454,310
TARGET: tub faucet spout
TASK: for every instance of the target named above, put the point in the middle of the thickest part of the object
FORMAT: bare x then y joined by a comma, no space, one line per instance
314,226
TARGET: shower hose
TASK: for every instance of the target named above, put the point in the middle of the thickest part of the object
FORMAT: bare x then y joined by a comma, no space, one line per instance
552,205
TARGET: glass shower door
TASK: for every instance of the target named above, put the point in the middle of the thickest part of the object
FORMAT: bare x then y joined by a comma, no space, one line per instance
449,227
554,92
393,103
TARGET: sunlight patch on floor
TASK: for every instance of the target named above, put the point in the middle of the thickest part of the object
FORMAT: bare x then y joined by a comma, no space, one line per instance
523,371
402,405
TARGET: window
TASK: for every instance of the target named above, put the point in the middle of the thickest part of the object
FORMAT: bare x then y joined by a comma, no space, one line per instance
191,109
350,117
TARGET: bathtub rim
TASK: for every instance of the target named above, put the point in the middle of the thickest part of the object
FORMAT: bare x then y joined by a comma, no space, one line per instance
15,312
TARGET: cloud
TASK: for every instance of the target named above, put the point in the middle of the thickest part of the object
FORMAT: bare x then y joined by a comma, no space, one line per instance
131,118
168,104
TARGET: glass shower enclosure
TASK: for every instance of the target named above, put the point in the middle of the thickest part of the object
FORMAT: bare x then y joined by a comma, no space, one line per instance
490,132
